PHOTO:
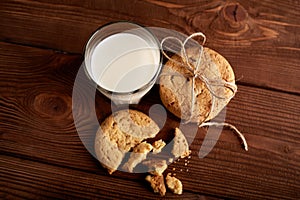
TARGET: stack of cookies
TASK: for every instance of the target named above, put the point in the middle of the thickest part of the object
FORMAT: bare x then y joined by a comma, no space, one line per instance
176,86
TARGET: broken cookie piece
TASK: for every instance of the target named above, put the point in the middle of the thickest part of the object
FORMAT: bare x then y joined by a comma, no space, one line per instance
108,152
156,167
119,133
157,183
158,145
174,184
181,147
138,155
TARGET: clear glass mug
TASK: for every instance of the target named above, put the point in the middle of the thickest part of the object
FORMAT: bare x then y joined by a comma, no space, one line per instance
124,60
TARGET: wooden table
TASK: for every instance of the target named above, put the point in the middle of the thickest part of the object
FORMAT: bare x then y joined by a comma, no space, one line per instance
41,50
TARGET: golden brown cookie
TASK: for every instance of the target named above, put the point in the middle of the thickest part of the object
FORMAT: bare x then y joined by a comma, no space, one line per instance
119,133
176,86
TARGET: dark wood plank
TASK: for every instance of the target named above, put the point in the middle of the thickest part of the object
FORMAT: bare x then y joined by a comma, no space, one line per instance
26,179
36,123
259,38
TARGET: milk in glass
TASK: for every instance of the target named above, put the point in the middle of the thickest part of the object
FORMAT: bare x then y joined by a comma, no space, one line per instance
123,63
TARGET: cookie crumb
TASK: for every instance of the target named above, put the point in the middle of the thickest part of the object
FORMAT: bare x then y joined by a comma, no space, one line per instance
157,183
174,184
158,146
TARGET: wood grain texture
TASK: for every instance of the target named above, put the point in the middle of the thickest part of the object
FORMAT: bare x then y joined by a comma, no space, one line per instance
36,125
38,180
259,38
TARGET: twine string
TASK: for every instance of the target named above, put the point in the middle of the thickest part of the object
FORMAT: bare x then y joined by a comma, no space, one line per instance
239,134
196,73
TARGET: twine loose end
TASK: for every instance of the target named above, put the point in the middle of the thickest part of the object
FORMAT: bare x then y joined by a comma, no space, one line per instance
238,133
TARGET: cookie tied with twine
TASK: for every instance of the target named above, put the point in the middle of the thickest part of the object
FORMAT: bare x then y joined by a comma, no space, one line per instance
196,82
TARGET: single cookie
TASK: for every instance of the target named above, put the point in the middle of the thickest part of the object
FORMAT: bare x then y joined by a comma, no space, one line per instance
119,133
181,146
174,184
176,84
157,183
138,155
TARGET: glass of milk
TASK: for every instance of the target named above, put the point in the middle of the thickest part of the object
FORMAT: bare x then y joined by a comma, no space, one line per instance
124,60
